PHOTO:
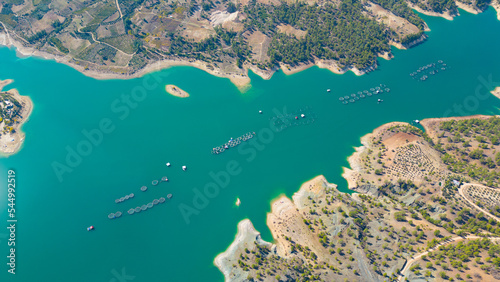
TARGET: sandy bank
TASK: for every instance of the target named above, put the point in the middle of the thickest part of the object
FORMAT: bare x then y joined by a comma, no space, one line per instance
286,219
10,143
239,77
386,56
176,91
288,70
4,83
331,66
245,238
466,7
496,91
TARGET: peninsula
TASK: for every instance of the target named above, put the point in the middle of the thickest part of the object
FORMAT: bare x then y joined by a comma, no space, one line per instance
125,39
425,207
14,112
176,91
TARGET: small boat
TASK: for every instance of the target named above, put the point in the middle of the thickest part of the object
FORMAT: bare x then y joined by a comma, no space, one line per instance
328,90
238,202
380,100
90,228
168,164
417,121
302,116
260,112
184,167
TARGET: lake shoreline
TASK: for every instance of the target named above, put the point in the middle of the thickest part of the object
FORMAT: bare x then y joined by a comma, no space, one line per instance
241,79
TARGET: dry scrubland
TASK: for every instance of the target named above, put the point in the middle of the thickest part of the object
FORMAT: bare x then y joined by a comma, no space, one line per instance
415,216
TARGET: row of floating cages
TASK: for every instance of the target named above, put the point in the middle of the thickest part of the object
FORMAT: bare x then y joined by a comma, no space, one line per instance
232,143
149,205
364,93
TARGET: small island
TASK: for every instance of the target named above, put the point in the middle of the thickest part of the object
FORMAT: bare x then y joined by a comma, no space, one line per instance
14,112
176,91
496,92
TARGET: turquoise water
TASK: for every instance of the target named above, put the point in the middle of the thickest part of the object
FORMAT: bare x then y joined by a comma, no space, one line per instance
161,244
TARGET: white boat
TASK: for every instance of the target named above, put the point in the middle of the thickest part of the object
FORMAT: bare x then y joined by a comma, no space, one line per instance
184,167
168,164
